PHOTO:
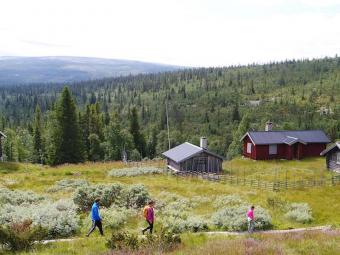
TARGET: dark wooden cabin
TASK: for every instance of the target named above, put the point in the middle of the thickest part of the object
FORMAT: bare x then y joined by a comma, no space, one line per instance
2,135
263,145
332,154
189,157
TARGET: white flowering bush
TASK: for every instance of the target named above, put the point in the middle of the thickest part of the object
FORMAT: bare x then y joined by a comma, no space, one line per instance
114,217
135,171
234,218
196,224
17,197
68,185
299,212
59,218
129,196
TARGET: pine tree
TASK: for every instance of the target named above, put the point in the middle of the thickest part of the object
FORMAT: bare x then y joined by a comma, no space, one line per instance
138,137
69,146
38,147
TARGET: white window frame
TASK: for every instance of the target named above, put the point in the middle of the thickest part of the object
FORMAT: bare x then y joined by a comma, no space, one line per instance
338,158
272,149
249,148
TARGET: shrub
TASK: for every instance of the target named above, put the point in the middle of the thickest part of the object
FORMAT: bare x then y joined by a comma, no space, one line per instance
21,236
18,197
164,241
299,212
133,196
114,217
109,194
135,171
58,218
68,185
234,218
196,224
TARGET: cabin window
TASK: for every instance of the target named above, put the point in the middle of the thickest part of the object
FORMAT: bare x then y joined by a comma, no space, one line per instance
249,147
272,149
338,158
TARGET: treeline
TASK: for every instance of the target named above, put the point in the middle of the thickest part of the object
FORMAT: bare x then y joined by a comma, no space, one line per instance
128,114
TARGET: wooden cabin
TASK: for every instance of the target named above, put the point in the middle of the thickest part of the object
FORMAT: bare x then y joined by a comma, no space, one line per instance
2,135
189,157
263,145
332,154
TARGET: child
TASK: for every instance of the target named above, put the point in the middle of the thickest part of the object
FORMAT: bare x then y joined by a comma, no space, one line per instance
149,216
251,219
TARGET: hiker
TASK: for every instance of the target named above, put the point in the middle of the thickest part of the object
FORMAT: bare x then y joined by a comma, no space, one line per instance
251,219
96,220
149,216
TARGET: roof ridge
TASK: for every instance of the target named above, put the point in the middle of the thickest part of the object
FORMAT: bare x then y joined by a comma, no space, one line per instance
194,145
286,131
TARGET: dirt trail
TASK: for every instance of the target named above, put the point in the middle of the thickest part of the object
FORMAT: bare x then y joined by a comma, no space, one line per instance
322,228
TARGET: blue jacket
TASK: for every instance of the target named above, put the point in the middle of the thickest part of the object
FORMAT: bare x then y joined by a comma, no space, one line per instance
95,212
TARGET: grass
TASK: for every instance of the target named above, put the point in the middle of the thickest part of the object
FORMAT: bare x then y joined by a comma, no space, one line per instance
276,170
322,200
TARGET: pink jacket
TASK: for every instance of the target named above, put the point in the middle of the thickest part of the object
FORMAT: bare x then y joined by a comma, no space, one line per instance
250,214
150,215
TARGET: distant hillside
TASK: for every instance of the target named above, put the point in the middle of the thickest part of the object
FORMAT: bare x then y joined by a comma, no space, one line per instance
23,70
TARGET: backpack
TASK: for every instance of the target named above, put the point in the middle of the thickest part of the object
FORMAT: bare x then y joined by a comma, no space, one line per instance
145,211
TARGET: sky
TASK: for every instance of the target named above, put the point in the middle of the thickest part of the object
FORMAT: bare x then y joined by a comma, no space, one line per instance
179,32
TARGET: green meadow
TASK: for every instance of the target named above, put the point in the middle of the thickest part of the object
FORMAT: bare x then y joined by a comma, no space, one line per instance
323,202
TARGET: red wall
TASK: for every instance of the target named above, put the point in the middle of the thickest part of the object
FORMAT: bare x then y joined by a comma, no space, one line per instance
253,151
313,149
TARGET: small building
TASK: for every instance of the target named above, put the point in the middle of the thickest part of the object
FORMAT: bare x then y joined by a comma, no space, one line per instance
263,145
189,157
2,135
332,154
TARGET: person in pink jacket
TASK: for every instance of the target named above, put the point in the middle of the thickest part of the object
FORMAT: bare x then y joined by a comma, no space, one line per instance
251,219
149,216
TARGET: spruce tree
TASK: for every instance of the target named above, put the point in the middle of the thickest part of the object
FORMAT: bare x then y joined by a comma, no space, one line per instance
138,137
69,147
38,149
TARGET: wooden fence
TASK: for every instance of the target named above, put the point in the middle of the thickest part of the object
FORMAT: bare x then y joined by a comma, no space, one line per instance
258,183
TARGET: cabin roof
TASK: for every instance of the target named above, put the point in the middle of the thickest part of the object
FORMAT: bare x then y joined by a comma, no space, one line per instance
324,152
186,150
2,134
287,137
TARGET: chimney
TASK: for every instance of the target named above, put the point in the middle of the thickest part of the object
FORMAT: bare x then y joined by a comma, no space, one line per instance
204,143
269,126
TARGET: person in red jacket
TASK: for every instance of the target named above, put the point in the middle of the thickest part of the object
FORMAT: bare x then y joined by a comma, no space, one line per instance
149,216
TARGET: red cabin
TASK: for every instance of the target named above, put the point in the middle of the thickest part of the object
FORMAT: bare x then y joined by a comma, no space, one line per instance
284,144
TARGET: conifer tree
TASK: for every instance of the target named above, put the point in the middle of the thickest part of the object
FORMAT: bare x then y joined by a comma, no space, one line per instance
69,146
38,148
138,137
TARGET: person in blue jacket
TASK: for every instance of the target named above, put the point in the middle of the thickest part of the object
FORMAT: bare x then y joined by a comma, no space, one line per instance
96,220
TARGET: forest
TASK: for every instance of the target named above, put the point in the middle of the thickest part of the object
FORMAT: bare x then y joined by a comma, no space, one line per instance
98,120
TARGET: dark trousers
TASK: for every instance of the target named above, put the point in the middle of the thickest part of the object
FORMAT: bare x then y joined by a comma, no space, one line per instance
96,223
150,227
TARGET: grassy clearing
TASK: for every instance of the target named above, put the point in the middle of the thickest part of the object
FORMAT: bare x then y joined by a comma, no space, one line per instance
323,200
275,170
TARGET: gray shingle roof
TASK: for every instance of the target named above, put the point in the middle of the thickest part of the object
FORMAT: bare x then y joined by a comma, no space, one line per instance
324,152
288,137
184,151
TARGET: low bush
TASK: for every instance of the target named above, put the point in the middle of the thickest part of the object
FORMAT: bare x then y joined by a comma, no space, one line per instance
299,212
18,197
164,241
21,236
234,218
135,171
58,218
68,185
129,196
